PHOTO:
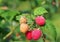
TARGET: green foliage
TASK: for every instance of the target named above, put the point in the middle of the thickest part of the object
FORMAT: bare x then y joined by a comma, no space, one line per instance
50,31
1,11
40,40
39,11
0,1
9,14
30,9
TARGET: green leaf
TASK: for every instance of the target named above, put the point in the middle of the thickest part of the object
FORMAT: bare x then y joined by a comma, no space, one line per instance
50,31
1,11
32,3
53,9
18,29
33,41
39,2
9,15
18,17
26,15
49,1
39,40
40,11
0,1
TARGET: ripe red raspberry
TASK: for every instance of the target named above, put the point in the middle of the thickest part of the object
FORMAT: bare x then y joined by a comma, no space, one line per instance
29,35
36,34
40,20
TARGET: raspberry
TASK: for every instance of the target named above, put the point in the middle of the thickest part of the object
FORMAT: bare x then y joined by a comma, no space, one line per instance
24,28
29,35
36,34
23,20
40,20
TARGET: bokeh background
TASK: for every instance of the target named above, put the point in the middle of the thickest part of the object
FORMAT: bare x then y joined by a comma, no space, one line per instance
9,9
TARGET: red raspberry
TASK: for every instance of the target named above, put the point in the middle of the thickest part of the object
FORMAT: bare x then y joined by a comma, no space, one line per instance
40,20
29,35
36,34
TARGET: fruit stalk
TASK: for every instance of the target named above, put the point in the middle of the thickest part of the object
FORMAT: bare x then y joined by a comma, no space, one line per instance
12,30
8,35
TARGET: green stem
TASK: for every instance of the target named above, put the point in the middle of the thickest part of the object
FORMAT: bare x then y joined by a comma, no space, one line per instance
8,35
12,30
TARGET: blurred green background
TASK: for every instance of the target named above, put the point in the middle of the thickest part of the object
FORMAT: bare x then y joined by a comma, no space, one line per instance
13,8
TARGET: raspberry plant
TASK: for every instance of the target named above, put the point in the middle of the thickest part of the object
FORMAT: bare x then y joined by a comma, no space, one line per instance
14,30
48,29
36,15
